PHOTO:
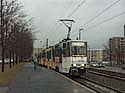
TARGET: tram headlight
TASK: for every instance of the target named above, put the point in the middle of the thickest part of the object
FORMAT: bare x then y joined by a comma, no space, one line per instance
82,64
74,65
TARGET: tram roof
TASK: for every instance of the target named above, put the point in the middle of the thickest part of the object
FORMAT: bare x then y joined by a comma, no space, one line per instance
72,41
64,40
78,40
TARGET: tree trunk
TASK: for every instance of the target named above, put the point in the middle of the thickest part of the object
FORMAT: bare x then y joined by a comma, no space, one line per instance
10,59
16,59
3,58
2,35
13,59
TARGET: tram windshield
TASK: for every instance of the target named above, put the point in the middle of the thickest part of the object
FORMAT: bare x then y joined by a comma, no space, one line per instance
78,50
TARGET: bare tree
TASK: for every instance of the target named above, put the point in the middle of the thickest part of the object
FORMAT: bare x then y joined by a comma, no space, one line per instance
14,29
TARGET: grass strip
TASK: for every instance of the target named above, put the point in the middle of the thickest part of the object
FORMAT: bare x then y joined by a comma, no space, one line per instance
9,75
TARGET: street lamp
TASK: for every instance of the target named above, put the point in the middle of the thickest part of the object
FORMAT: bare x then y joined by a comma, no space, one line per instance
40,56
80,33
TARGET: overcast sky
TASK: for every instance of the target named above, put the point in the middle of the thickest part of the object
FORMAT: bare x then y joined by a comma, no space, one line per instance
47,13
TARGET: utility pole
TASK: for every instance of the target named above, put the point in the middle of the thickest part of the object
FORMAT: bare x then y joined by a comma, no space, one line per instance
124,37
47,43
124,30
80,33
40,51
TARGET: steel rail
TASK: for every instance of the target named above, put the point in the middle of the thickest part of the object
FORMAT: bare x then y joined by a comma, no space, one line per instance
107,72
106,75
102,85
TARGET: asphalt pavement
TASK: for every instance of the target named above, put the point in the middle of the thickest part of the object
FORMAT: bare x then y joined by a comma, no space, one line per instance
43,80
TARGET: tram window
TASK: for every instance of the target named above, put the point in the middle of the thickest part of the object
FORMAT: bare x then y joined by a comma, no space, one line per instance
58,52
78,50
68,45
75,50
64,45
64,52
68,49
68,52
43,54
49,55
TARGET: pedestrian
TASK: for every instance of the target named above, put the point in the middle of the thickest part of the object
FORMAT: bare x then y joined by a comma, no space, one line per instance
34,63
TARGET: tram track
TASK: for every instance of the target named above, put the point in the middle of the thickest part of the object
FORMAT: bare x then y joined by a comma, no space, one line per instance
94,85
107,75
97,87
107,72
113,80
101,87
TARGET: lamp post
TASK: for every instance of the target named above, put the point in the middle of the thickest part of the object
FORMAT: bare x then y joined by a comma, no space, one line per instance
39,52
34,39
80,33
40,56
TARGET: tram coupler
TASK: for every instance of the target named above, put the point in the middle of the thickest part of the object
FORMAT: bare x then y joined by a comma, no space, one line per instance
82,70
74,71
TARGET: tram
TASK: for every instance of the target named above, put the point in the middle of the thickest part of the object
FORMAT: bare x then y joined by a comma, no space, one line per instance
70,56
46,57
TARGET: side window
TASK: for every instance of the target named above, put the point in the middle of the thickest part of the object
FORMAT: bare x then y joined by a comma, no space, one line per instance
64,52
64,49
43,54
68,49
64,45
49,54
56,52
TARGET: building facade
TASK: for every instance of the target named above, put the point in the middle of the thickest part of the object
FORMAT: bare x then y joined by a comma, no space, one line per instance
117,50
96,55
36,53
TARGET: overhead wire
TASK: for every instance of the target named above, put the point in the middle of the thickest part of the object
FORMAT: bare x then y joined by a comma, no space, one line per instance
55,26
106,20
111,18
74,10
103,11
94,16
62,16
69,8
77,7
106,9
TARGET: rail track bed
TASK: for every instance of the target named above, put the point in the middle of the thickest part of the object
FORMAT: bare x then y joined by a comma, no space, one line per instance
107,72
97,87
101,82
113,80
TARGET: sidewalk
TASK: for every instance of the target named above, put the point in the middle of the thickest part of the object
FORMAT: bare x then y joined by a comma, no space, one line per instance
43,81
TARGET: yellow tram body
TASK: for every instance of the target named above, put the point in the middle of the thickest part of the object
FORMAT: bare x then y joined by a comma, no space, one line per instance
47,60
